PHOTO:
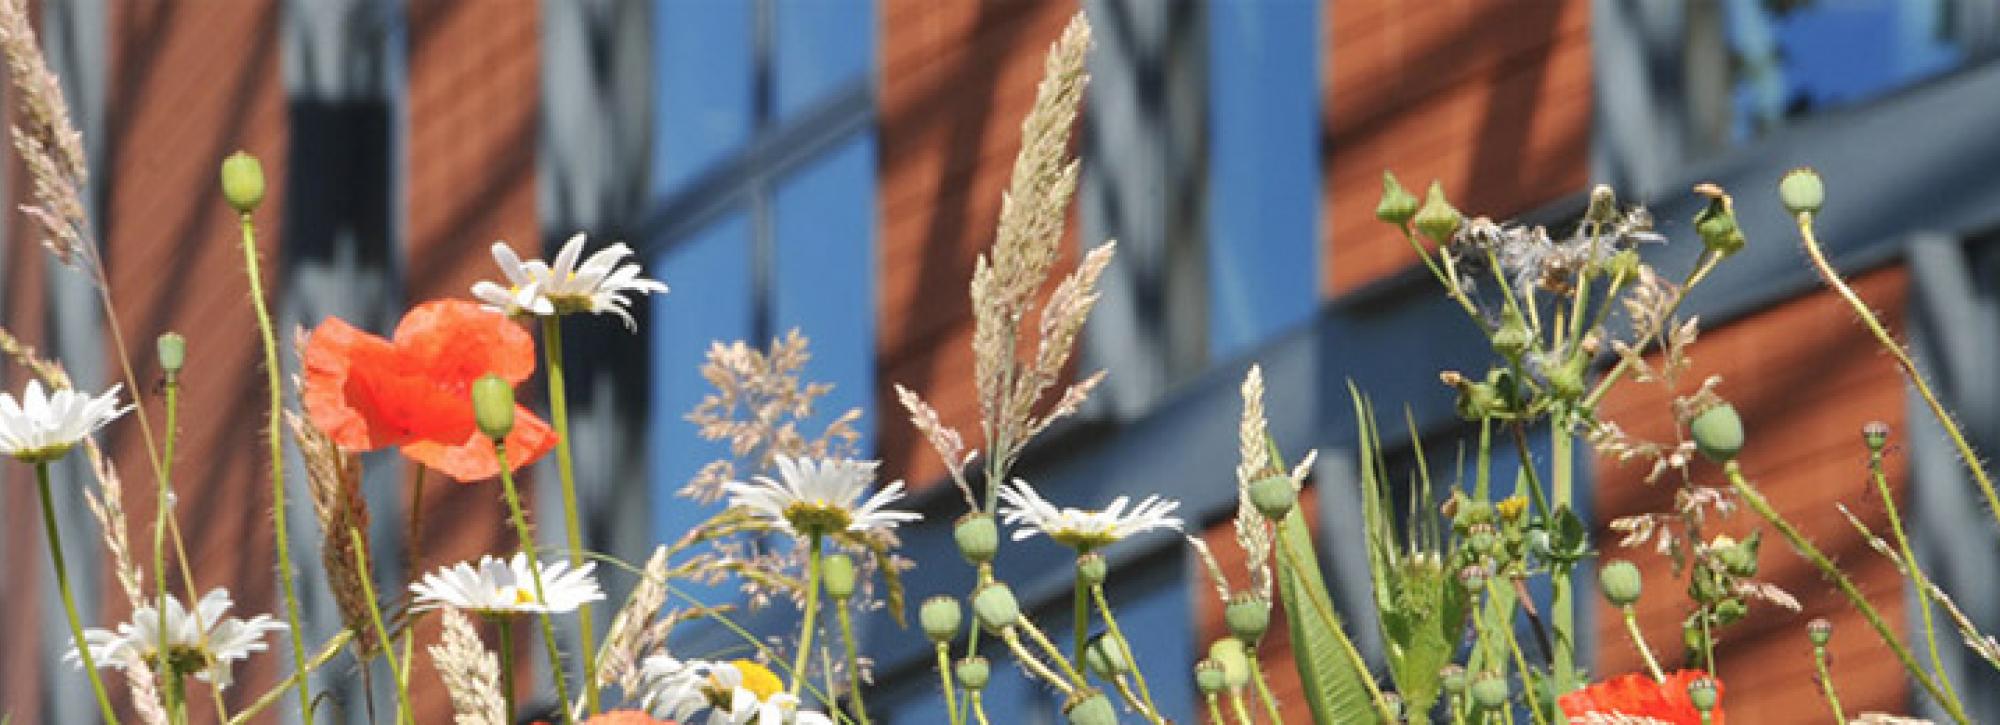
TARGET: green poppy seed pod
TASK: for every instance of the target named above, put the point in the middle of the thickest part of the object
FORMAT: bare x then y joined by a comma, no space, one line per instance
1482,539
995,606
1235,662
1693,636
493,406
1248,617
1603,207
1209,677
1090,569
1274,496
1106,657
977,536
1716,223
1741,559
1718,432
1089,706
973,673
940,617
1453,679
1473,577
173,352
1802,191
1512,337
1702,694
1820,631
242,182
1478,400
1490,691
1731,611
1620,582
838,573
1437,218
1876,435
1397,204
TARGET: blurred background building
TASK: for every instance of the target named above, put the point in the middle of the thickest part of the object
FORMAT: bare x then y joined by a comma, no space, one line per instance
835,166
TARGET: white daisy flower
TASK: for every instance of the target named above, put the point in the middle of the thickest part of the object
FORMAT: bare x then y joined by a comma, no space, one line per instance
739,692
814,497
42,427
505,587
202,643
540,289
1079,529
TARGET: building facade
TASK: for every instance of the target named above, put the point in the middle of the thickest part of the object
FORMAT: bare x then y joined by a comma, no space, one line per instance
836,165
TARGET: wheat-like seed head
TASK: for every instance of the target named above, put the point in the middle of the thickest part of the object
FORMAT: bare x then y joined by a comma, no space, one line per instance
471,674
1253,531
333,477
50,146
626,641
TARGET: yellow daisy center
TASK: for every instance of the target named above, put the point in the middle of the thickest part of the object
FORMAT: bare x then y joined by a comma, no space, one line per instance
816,517
523,596
758,679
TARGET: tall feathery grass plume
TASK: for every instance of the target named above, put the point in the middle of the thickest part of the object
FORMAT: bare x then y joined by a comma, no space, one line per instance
333,478
629,637
471,673
49,144
1253,531
1007,280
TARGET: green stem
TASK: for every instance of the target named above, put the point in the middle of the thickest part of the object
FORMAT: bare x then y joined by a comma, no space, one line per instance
1700,272
1236,706
1639,641
375,617
1562,608
1079,618
1827,568
176,687
1916,570
1028,661
1826,685
811,614
527,537
1263,688
1041,639
160,515
572,526
979,708
1214,710
1138,673
507,654
944,680
853,661
326,654
1527,688
252,270
69,601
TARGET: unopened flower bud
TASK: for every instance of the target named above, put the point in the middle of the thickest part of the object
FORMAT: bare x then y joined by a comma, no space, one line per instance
1472,577
1716,223
1624,264
1876,435
1620,582
493,406
977,536
973,673
1482,539
940,617
838,573
242,182
1603,207
1397,204
173,352
1235,662
1274,496
1567,380
1437,218
1209,677
1511,338
1702,694
1106,657
1248,617
1490,691
1090,707
995,606
1741,558
1453,679
1718,432
1730,611
1820,631
1090,569
1802,191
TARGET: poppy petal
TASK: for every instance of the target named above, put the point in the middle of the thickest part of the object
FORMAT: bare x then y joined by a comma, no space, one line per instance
339,359
457,340
472,459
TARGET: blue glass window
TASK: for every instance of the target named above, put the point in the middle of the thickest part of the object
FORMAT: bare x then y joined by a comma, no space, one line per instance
1263,187
825,271
704,105
1801,58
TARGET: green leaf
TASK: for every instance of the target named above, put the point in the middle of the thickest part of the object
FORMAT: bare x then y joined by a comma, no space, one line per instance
1337,684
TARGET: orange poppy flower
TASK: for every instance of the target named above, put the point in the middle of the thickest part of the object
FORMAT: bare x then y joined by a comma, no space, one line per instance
1637,695
620,717
414,391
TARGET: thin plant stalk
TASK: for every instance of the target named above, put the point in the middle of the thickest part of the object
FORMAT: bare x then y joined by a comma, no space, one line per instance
1118,634
1562,605
160,514
853,662
1826,685
1915,569
507,653
326,654
1080,617
1214,709
1827,568
69,601
1639,641
979,708
1702,268
1521,664
1236,706
1035,633
944,680
253,271
1028,661
566,469
811,614
527,536
1263,686
413,529
403,710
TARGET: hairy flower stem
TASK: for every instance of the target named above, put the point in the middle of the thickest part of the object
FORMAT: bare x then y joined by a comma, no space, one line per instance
1916,571
253,271
1639,642
1214,709
1258,681
1521,664
853,662
69,601
1827,568
404,713
1826,685
1236,706
572,527
507,655
319,659
944,680
811,614
160,514
1138,673
527,536
1032,664
1080,620
1562,605
979,708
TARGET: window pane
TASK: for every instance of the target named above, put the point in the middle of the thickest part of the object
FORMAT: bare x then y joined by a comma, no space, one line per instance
1263,170
824,281
710,276
703,103
1797,59
821,46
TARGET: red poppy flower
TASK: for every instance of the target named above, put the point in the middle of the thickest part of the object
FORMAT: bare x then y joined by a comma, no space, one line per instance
415,391
1637,695
620,717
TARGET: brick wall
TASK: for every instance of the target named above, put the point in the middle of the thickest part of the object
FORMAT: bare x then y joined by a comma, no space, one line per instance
1805,378
1490,97
956,78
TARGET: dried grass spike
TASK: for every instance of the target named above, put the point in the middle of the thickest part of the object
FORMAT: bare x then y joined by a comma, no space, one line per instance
471,674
